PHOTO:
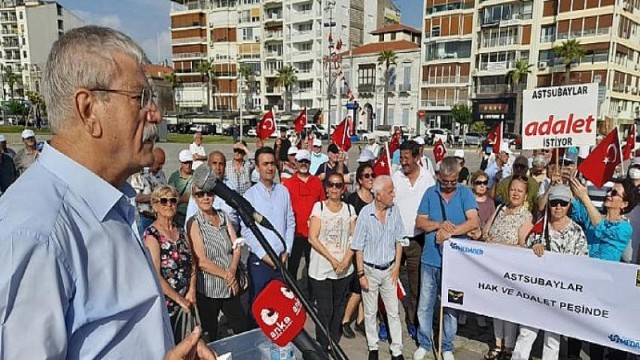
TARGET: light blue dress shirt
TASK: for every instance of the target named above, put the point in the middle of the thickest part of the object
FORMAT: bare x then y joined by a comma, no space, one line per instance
77,281
275,205
376,240
218,203
317,160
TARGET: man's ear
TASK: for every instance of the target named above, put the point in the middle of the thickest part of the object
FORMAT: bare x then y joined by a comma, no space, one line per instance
86,107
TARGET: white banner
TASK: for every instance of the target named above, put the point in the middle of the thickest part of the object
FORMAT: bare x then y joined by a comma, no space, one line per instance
589,299
559,116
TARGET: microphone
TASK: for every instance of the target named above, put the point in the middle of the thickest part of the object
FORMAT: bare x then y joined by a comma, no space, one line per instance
281,317
206,180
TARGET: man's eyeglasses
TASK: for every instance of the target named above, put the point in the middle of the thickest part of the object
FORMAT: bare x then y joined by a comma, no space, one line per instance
562,203
146,96
165,201
337,185
201,194
448,182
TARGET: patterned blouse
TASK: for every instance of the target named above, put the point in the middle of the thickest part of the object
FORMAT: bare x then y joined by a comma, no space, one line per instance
570,240
175,264
504,229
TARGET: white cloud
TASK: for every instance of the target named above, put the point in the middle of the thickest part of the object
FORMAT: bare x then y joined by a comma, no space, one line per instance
110,20
158,48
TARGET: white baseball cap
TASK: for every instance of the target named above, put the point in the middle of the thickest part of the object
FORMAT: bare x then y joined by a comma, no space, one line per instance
2,138
459,154
303,155
419,140
27,133
292,150
317,142
185,156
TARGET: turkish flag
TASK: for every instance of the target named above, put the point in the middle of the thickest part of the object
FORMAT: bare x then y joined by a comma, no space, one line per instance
627,150
400,291
382,166
339,44
301,121
342,134
495,138
540,227
600,165
395,142
266,126
439,151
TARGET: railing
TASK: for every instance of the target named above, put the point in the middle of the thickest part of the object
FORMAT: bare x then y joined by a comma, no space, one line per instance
442,56
547,38
501,41
10,32
366,88
437,103
493,89
189,55
404,87
189,40
193,24
447,79
496,66
272,54
9,18
580,34
273,35
273,17
10,45
194,85
249,56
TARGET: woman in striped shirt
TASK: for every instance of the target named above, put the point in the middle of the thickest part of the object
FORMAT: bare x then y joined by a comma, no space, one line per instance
212,237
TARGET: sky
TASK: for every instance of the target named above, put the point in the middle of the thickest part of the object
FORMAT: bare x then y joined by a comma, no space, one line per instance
147,21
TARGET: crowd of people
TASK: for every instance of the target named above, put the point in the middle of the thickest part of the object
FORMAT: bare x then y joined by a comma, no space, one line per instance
87,272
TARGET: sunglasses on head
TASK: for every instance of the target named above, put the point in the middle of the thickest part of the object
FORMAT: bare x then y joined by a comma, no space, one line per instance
562,203
200,194
480,182
165,201
337,185
368,176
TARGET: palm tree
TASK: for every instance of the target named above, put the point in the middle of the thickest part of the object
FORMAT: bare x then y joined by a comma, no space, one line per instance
176,83
11,79
516,77
571,51
386,58
206,69
247,74
287,77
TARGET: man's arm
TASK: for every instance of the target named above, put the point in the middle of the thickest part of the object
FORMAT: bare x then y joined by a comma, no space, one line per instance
472,223
291,223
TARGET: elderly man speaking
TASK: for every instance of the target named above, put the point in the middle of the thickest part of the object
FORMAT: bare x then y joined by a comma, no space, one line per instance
77,281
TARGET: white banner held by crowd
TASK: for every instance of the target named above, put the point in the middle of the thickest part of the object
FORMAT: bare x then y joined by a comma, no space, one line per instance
588,299
559,116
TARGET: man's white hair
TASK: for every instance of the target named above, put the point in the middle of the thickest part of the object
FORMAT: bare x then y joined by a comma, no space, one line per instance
379,182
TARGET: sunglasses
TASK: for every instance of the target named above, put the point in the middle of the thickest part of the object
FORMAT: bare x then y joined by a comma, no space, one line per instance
479,182
201,194
368,176
337,185
165,201
239,151
614,192
448,182
562,203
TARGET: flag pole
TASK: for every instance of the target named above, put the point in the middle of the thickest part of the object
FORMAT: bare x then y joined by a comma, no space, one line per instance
386,148
620,149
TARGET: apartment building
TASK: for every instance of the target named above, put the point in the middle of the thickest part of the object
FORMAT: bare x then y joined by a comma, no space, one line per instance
470,46
366,77
28,30
263,36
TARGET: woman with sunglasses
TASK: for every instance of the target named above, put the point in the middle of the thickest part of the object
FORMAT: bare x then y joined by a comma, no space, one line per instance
330,268
608,235
358,199
563,236
212,237
508,226
171,256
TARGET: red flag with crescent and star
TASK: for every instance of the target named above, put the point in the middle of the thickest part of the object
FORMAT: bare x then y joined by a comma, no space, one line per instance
382,166
342,134
394,144
266,126
300,121
628,147
495,138
439,151
601,164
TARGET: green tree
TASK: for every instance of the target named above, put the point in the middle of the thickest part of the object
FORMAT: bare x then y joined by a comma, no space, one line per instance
386,58
206,70
570,51
287,77
478,126
516,77
176,83
247,74
11,79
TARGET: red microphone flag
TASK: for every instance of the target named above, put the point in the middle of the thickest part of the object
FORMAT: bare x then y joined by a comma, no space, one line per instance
342,134
300,121
601,164
630,145
279,313
266,126
495,138
439,151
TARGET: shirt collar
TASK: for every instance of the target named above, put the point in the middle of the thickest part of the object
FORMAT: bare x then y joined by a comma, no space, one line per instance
98,194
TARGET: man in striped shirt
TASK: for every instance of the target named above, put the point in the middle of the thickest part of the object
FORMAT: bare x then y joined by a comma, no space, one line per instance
377,241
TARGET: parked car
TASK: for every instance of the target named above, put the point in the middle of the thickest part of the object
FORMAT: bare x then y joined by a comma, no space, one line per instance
474,138
317,129
252,132
205,129
433,135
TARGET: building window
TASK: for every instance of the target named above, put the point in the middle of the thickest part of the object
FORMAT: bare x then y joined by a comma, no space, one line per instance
21,15
405,117
435,31
24,54
393,36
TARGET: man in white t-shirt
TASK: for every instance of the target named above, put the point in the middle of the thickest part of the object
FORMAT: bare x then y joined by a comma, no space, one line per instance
197,151
423,160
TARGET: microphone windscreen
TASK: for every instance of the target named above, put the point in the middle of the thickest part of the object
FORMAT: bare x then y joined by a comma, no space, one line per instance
279,313
204,178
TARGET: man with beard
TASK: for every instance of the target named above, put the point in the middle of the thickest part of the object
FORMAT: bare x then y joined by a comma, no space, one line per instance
447,209
305,190
78,282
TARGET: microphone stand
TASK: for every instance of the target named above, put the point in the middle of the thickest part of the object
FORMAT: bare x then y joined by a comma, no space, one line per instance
319,353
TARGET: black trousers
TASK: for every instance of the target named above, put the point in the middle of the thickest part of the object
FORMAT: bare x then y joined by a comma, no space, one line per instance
210,308
301,247
331,296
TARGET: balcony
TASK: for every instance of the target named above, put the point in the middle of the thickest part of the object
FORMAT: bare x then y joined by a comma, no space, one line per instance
10,44
273,17
273,54
547,38
582,34
497,66
274,90
193,24
440,103
188,40
404,87
8,18
273,35
9,32
501,41
370,88
492,89
446,80
194,55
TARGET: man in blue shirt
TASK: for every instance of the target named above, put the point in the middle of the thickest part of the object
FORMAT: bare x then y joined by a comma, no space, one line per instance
447,209
273,202
78,282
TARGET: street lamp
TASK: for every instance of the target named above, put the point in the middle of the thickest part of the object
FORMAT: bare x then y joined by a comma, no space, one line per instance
330,24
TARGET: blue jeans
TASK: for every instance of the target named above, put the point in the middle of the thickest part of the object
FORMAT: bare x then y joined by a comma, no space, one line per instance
429,292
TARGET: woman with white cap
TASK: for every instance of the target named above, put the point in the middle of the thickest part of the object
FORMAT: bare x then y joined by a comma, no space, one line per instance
562,236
